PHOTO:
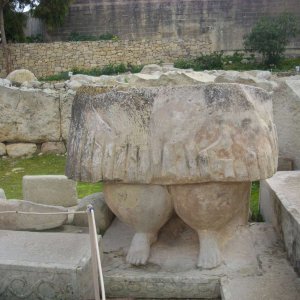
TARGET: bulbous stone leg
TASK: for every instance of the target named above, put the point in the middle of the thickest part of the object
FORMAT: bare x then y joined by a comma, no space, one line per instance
209,208
144,207
209,251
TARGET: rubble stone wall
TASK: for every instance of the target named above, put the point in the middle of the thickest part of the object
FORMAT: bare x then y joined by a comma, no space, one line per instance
50,58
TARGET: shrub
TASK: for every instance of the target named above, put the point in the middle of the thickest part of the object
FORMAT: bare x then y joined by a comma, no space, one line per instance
211,61
270,37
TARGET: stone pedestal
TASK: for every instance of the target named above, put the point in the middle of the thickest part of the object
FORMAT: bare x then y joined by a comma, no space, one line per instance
171,271
42,266
280,206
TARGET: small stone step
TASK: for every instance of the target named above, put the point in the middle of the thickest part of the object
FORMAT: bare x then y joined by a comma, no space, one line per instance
267,287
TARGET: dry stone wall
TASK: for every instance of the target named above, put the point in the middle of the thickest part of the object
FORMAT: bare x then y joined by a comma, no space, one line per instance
51,58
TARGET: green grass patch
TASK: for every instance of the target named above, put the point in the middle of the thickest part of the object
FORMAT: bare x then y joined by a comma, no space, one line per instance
13,170
107,70
254,203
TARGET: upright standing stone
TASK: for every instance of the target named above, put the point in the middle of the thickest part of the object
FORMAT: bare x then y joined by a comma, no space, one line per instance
50,190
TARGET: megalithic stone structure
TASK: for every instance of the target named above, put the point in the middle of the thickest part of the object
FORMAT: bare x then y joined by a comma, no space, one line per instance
194,149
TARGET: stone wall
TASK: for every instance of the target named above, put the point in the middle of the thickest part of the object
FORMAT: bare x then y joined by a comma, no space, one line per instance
225,21
50,58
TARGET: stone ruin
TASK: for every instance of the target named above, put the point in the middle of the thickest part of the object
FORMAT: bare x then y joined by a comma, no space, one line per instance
192,149
177,172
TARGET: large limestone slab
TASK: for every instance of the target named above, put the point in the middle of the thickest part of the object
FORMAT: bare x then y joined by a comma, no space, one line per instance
254,252
14,221
103,215
30,115
172,135
280,205
43,266
50,190
20,76
286,105
21,150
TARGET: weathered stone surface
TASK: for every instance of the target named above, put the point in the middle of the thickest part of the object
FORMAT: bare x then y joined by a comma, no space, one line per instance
254,252
66,101
28,116
170,78
286,106
255,78
50,190
53,147
149,69
2,194
280,205
21,76
30,222
103,215
2,149
173,135
43,266
21,150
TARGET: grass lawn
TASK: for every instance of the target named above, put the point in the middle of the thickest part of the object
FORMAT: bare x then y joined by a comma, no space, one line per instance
12,171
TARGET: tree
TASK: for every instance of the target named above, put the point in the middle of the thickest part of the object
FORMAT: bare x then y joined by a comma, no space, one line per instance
270,36
9,6
52,12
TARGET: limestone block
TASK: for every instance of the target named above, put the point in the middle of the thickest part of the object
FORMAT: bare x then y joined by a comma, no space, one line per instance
53,147
2,194
73,85
280,205
45,266
173,135
21,150
286,107
30,222
50,190
28,116
149,69
103,215
66,101
20,76
170,78
2,149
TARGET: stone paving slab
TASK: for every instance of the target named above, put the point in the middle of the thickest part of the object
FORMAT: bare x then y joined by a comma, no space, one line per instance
172,272
44,266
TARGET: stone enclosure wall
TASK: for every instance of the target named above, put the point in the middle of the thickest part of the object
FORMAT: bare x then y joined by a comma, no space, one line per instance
225,21
50,58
